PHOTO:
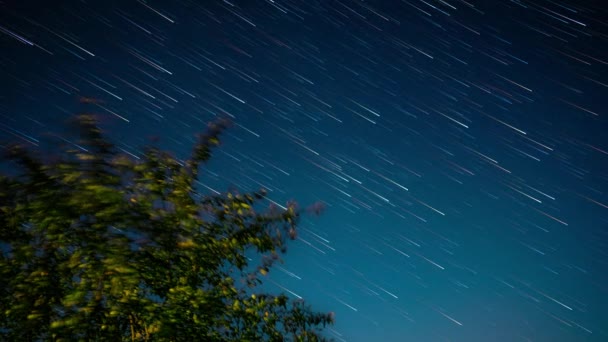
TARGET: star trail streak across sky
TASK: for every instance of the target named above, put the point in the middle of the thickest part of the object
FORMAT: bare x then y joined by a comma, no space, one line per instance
460,146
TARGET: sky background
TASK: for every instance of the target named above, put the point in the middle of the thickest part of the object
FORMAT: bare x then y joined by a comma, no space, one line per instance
460,146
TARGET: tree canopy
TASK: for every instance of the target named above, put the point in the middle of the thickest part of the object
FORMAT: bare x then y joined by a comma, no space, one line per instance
100,245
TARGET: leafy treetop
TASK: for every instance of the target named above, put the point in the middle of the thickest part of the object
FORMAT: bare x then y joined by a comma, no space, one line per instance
98,245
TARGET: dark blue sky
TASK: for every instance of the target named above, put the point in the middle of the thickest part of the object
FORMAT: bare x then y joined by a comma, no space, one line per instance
460,146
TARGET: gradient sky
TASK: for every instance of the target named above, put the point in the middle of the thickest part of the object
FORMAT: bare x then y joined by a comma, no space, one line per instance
460,146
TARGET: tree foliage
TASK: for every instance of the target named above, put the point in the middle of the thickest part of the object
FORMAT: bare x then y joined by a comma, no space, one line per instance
99,245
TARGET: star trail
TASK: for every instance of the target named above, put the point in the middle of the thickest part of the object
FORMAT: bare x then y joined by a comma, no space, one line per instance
459,147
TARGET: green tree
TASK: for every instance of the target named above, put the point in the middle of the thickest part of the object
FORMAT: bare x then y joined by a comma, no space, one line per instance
98,245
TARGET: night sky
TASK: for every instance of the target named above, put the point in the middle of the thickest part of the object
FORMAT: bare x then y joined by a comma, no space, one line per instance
459,146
